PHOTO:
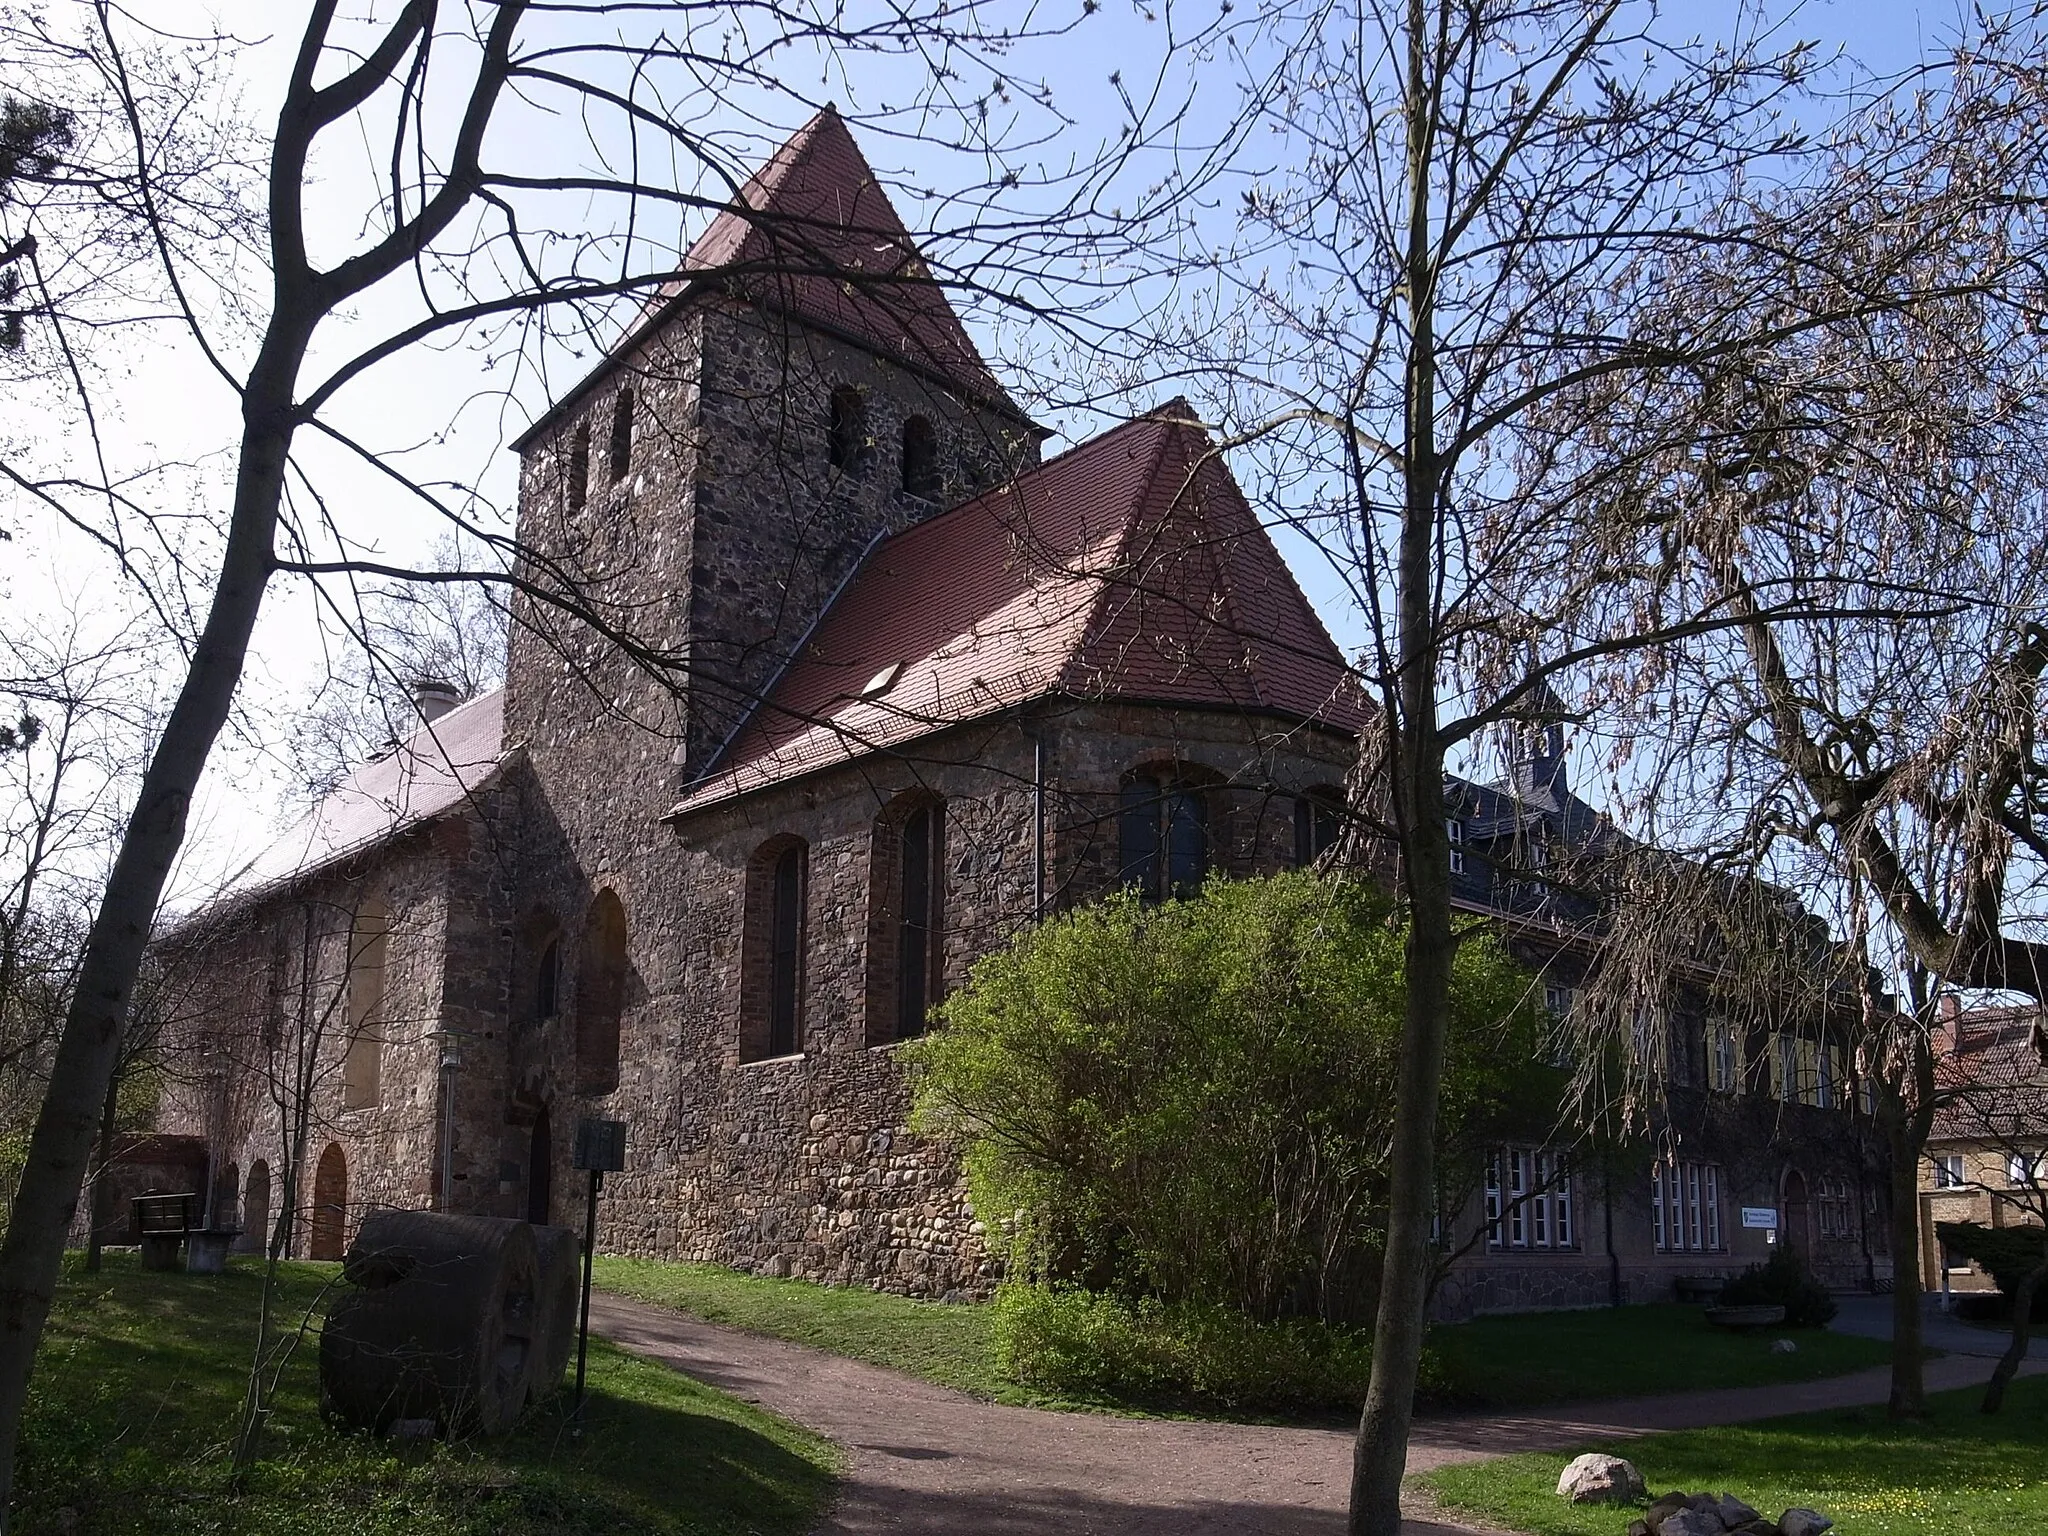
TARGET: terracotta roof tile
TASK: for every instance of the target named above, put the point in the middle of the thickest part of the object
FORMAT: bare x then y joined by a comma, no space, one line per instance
813,234
432,771
1130,567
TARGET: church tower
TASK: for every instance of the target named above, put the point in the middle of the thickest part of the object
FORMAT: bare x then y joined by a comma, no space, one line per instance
801,389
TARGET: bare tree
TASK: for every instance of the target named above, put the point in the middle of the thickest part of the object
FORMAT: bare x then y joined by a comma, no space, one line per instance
1838,531
461,235
1437,335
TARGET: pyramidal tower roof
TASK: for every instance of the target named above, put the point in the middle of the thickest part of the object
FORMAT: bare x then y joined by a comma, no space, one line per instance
813,234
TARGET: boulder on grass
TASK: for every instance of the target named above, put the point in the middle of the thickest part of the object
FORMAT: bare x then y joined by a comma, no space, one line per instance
1734,1513
1597,1479
1692,1522
1665,1506
1803,1522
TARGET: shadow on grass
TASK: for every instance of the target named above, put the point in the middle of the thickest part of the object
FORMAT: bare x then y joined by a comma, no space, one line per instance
140,1380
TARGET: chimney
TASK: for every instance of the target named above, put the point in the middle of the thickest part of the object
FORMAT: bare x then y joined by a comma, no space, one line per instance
433,698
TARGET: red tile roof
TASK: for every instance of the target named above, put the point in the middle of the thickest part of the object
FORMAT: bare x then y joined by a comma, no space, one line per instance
1130,568
813,234
432,771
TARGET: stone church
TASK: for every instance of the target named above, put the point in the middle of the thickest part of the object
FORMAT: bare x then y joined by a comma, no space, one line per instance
823,683
846,686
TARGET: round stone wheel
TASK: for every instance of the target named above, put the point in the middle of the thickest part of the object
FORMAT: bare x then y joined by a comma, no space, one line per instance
438,1323
560,1252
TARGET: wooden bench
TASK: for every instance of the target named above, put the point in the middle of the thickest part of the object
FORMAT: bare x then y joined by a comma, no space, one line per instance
161,1222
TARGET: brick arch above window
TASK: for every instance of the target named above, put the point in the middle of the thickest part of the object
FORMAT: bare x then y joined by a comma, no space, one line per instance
773,932
906,928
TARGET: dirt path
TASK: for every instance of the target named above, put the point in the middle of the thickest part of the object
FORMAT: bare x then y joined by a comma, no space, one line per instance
928,1461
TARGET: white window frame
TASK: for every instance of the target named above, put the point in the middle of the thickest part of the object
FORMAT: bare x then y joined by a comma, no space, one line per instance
1950,1171
1685,1207
1454,830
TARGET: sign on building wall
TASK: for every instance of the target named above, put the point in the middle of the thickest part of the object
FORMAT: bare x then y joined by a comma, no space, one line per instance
1760,1216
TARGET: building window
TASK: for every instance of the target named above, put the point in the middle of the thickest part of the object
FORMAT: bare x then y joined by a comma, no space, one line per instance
1685,1207
1824,1075
369,946
1529,1200
846,429
1163,837
1785,1067
1454,829
920,458
579,468
600,994
1558,1001
1724,1057
906,926
1836,1211
2022,1168
772,950
621,455
1948,1171
1318,821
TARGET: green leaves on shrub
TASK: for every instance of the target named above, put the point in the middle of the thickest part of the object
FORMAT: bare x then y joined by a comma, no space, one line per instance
1193,1101
1086,1344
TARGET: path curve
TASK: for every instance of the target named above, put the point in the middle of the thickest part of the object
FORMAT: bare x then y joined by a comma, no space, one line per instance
924,1460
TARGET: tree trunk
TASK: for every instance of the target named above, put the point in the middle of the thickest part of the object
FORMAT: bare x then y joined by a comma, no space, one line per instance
108,1112
1909,1381
1416,767
2022,1330
87,1053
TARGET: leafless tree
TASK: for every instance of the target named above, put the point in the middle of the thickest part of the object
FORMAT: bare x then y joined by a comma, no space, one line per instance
1436,333
460,236
1838,531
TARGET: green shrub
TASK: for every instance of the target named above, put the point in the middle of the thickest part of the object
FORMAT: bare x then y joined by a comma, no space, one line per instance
1087,1344
1782,1280
1194,1101
2007,1254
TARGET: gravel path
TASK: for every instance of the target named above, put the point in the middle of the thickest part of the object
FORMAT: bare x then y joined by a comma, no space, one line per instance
927,1461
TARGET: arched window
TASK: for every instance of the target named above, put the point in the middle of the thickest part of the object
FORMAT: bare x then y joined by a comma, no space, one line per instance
621,454
579,468
369,944
1163,834
1318,821
772,947
329,1236
600,994
846,429
906,918
920,458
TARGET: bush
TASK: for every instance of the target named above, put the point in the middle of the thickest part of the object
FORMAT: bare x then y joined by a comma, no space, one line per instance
1091,1345
1193,1101
1782,1280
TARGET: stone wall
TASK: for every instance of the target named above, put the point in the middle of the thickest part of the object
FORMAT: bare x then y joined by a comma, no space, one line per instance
261,1023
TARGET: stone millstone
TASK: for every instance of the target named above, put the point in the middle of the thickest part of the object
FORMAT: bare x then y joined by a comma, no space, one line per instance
1597,1479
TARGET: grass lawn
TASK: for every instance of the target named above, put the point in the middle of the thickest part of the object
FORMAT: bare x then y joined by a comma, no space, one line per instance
137,1389
1554,1357
1502,1362
1958,1473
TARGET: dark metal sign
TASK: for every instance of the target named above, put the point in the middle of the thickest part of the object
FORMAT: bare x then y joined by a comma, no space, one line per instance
601,1145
